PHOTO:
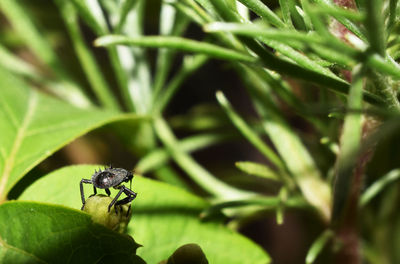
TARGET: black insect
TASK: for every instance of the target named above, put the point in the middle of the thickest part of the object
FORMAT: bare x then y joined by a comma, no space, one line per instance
107,178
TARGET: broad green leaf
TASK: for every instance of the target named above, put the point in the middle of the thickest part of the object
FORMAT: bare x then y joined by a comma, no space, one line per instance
34,125
43,233
164,217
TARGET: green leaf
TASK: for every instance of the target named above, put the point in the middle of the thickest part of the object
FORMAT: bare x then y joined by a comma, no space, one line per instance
298,57
297,159
175,43
24,26
385,66
248,133
188,253
318,245
86,58
172,22
136,75
374,24
15,64
164,217
264,202
378,186
42,233
282,35
263,11
92,14
285,9
257,169
34,125
301,165
325,7
280,209
195,171
158,157
125,8
190,65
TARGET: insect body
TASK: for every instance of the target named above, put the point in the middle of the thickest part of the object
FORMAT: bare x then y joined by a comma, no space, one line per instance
110,178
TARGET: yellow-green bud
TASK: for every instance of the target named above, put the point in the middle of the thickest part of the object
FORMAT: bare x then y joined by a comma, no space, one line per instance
97,207
189,253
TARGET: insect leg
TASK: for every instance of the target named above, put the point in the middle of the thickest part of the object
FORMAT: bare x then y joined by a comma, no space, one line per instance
108,192
131,195
81,188
94,191
115,199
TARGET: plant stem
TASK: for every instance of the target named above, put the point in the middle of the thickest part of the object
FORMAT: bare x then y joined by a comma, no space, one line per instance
196,172
89,65
347,230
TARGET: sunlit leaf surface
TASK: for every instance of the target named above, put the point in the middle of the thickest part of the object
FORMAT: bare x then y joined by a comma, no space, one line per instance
164,217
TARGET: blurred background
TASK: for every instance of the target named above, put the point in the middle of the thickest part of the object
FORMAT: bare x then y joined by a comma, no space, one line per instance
194,109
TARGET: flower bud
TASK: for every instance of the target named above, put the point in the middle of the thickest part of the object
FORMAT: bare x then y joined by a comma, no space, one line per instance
118,217
189,253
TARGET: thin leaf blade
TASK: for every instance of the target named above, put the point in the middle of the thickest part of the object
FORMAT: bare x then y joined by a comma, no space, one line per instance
174,43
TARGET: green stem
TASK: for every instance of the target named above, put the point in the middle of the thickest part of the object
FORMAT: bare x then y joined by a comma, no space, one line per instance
159,157
248,133
196,172
374,23
266,202
93,72
264,12
190,64
175,43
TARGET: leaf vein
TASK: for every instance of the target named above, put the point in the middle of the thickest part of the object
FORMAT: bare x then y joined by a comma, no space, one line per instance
32,104
10,247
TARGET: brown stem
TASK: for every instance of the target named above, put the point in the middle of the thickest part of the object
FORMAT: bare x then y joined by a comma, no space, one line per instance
348,4
347,229
341,32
